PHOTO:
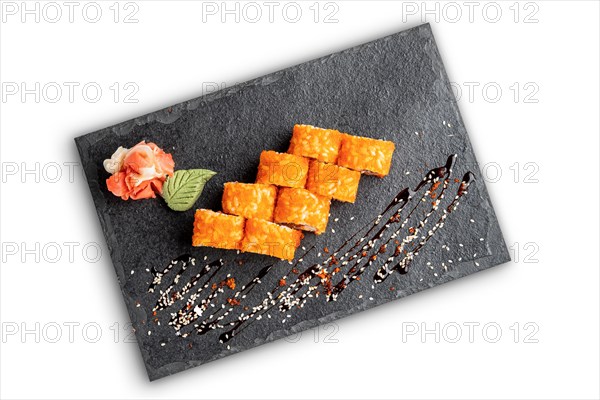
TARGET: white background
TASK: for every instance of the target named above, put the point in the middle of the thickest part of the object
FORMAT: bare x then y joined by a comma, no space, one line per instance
548,211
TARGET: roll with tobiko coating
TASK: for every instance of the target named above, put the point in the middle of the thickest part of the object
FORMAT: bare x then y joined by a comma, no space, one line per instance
366,155
249,200
332,181
317,143
264,237
282,169
215,229
301,209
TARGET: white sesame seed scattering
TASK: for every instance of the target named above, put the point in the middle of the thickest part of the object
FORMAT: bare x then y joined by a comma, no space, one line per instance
390,243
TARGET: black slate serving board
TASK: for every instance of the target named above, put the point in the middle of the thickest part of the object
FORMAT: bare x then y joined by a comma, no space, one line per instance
394,88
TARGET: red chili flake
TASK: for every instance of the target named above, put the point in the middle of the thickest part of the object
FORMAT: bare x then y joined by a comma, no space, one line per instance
246,308
392,288
230,282
397,251
214,286
328,286
282,282
188,306
333,261
352,270
383,248
397,241
336,269
357,278
435,186
364,254
322,274
233,302
411,230
153,312
189,345
241,262
295,270
374,257
326,250
433,195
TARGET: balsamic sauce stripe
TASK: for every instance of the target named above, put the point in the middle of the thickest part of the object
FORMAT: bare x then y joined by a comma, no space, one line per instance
354,261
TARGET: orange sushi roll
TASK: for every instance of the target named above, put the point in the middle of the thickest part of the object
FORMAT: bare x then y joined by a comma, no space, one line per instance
282,169
370,156
332,181
264,237
318,143
215,229
249,200
302,209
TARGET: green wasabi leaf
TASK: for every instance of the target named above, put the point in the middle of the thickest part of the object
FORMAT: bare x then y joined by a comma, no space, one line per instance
181,190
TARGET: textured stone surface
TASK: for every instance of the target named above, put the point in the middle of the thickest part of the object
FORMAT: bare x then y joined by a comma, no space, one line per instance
390,89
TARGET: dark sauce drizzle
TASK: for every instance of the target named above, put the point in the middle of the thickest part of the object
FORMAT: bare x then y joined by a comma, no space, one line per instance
391,240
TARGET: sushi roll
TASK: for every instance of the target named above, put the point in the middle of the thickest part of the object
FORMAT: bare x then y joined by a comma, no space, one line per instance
332,181
264,237
249,200
370,156
318,143
301,209
215,229
282,169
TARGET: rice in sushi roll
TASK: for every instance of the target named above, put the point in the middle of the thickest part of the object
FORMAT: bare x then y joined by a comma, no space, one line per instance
264,237
302,209
318,143
282,169
249,200
370,156
215,229
332,181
